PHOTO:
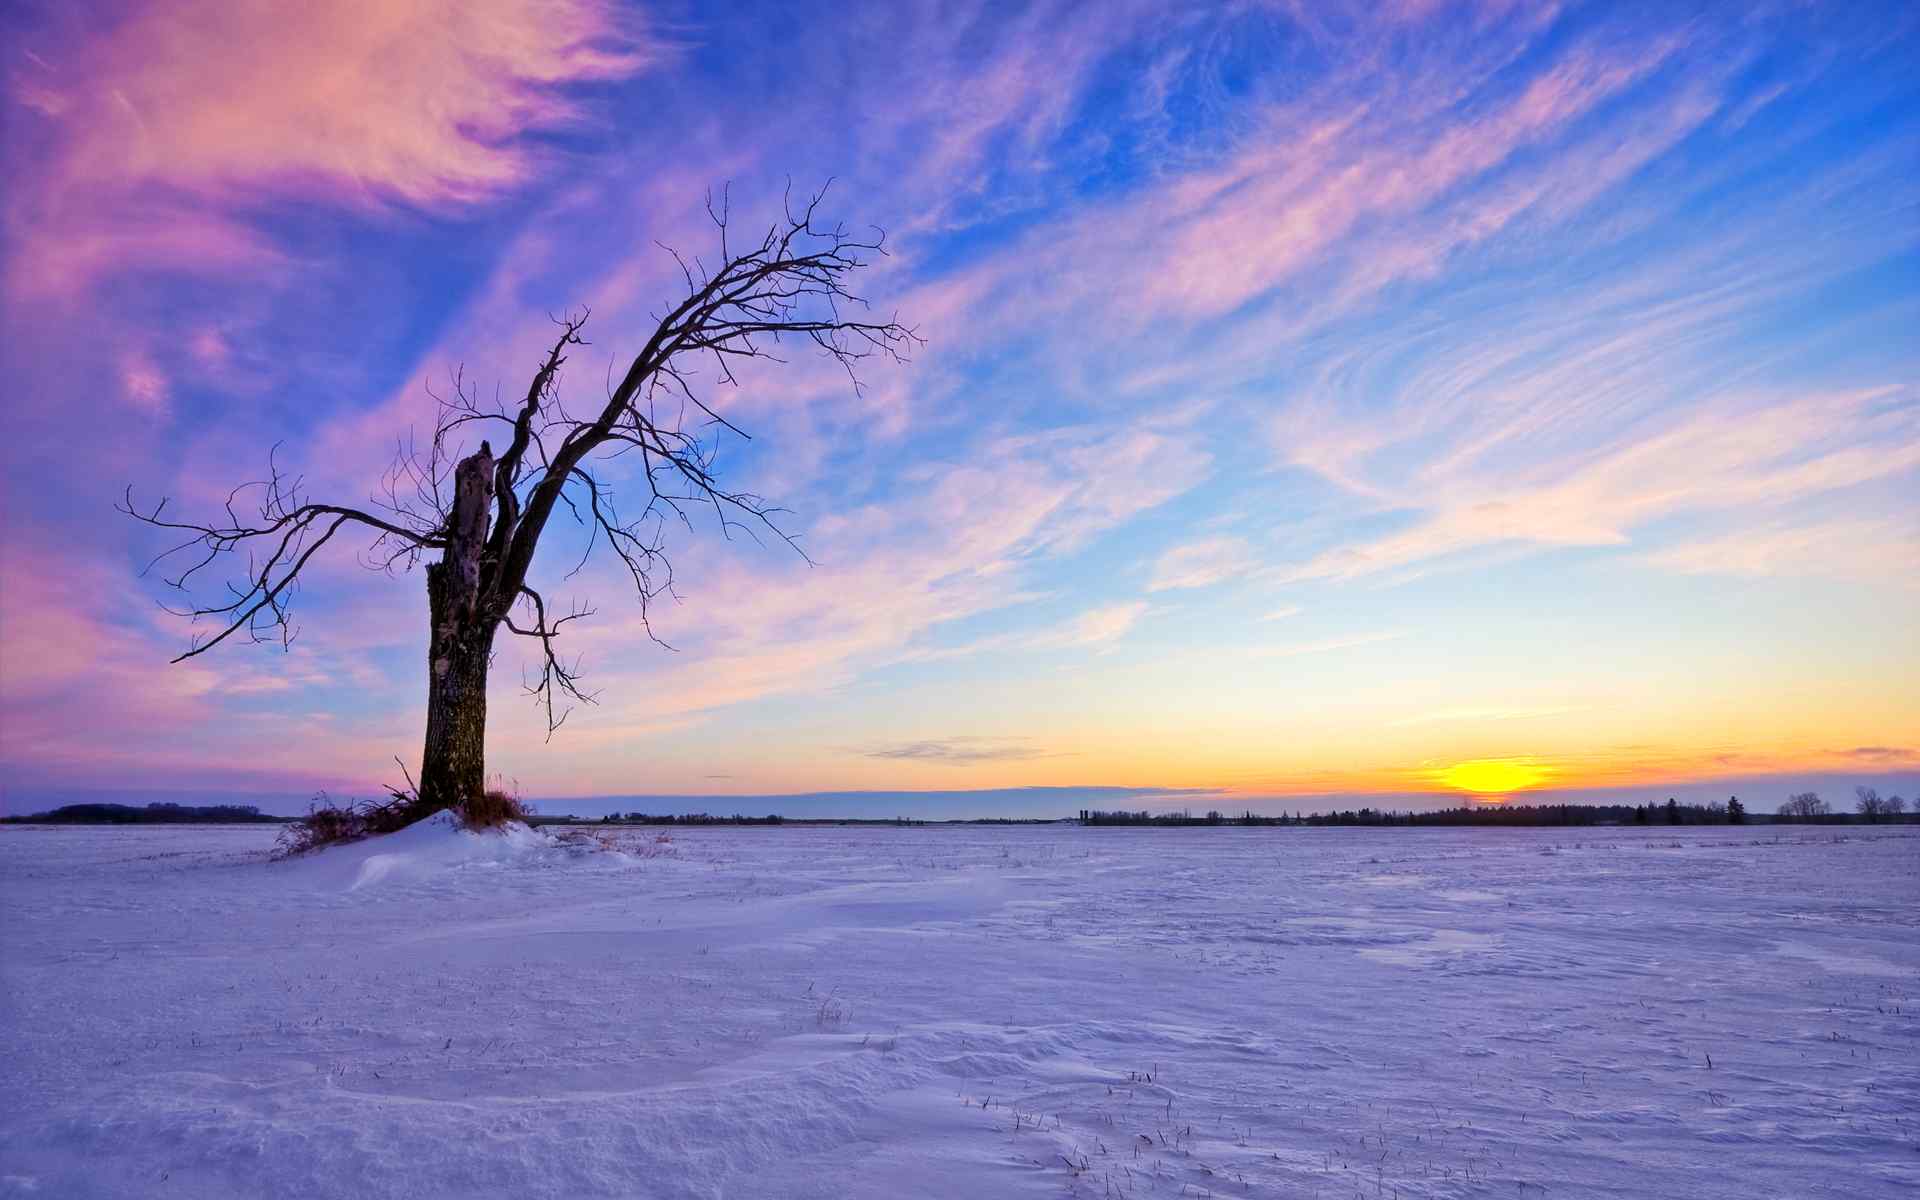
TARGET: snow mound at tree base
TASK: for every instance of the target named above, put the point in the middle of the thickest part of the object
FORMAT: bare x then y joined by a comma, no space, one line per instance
427,847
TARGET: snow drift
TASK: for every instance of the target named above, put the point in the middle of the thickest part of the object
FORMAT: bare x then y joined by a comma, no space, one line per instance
438,843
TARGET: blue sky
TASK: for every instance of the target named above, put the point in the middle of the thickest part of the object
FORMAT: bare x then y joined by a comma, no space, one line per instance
1315,396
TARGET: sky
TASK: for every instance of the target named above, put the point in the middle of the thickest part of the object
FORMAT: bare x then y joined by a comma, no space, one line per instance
1321,404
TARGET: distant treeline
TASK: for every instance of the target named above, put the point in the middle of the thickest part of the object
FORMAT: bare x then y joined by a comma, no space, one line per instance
640,818
1733,812
152,814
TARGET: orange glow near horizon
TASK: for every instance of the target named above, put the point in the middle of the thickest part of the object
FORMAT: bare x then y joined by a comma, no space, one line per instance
1494,776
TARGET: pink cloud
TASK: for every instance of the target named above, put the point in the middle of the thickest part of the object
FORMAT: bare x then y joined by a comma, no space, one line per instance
420,100
1739,454
143,384
1097,629
1201,564
417,101
1211,240
133,717
1884,551
1098,626
129,708
1546,193
62,245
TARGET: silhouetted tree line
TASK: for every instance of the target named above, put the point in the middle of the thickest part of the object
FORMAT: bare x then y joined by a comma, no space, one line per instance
1505,815
152,814
1872,806
1869,806
1803,807
1100,816
640,818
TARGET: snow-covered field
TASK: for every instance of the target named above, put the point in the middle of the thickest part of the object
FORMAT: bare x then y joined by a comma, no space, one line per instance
963,1012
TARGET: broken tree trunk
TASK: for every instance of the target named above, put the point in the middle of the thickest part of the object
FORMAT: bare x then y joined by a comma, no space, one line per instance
460,647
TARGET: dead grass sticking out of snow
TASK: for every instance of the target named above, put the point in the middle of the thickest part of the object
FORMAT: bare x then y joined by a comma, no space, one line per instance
491,809
328,823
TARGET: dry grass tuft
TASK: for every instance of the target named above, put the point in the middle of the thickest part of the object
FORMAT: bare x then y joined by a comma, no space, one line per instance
328,823
491,809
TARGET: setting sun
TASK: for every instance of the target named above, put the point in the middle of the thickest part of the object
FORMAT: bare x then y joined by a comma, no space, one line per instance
1494,776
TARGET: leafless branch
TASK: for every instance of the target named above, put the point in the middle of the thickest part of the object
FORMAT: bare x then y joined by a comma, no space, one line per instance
789,286
279,539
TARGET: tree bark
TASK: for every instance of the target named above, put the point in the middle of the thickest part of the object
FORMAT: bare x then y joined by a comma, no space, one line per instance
453,765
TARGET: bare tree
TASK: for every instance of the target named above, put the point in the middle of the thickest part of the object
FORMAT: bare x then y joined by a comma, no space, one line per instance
483,514
1804,806
1867,803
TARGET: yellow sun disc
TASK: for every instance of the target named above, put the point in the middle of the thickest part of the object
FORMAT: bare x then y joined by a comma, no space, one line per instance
1493,776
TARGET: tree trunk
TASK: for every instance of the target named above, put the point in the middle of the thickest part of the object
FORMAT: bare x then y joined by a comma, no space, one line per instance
453,766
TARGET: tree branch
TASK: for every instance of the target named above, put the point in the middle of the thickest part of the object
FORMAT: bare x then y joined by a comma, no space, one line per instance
789,286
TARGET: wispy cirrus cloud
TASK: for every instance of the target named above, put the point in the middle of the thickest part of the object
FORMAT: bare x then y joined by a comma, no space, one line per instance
961,751
1738,454
1882,754
1882,549
1096,629
1201,564
1327,644
1099,626
1309,176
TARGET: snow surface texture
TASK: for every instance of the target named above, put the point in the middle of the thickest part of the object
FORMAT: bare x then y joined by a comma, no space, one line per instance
962,1012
